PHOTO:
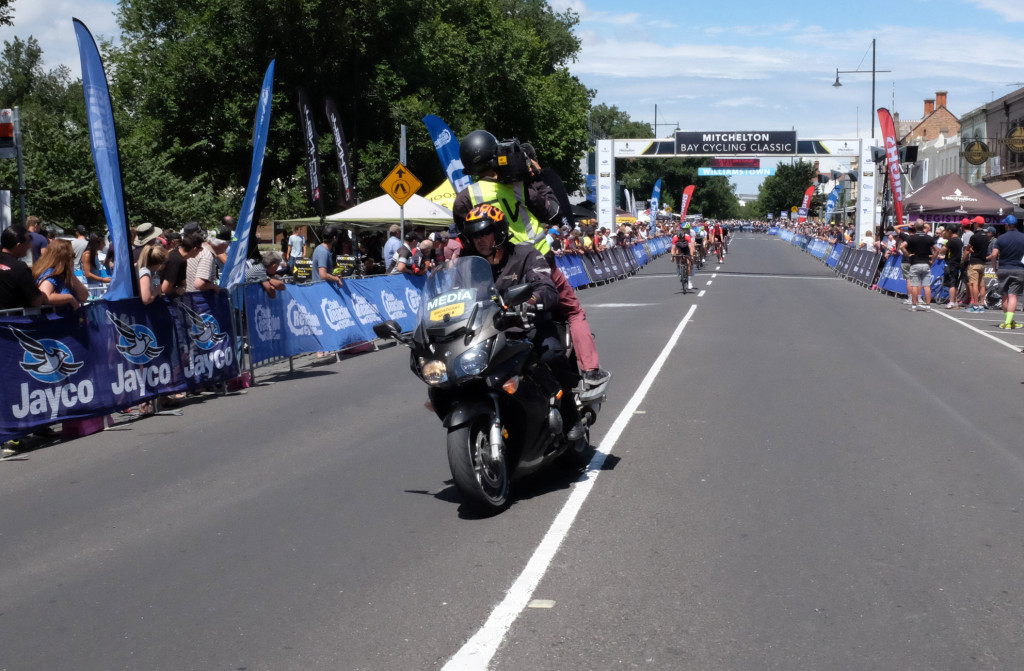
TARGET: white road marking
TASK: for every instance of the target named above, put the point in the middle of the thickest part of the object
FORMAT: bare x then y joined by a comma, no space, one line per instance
990,336
619,305
701,294
709,283
478,651
714,275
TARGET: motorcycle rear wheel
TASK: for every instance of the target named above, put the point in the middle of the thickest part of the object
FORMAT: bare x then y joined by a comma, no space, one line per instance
483,484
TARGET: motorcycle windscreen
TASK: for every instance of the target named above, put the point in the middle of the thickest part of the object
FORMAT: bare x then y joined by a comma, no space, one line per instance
451,292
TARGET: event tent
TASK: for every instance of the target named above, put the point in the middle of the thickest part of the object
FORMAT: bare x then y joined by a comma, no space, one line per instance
950,194
383,211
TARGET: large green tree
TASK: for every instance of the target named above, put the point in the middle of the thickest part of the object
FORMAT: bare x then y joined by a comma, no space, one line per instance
785,189
191,71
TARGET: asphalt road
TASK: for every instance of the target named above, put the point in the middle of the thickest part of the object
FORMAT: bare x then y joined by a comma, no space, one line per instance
816,478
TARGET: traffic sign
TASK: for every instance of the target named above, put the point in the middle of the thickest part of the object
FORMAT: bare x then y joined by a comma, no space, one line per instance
401,184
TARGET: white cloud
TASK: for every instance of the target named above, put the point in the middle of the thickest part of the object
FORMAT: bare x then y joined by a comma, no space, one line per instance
748,101
1008,9
49,21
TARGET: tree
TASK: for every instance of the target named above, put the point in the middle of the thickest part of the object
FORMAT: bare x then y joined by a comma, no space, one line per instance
6,13
785,189
191,71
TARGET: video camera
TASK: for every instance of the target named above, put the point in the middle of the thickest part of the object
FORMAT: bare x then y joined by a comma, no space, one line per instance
511,162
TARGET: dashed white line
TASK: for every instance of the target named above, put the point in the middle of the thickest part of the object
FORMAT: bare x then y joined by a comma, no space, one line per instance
701,294
709,283
478,651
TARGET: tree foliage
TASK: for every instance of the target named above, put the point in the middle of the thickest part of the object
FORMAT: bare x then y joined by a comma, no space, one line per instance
785,189
192,70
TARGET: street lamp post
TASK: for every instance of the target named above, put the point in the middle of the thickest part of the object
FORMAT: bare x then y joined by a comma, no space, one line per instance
656,124
872,71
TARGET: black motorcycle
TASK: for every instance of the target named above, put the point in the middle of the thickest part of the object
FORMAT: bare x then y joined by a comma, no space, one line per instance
474,349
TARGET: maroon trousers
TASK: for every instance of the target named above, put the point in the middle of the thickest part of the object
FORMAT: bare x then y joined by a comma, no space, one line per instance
569,308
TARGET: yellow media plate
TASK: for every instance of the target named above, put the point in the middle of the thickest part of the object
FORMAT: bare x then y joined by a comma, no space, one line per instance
454,310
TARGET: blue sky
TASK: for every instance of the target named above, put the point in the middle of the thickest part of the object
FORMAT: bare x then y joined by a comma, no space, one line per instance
735,64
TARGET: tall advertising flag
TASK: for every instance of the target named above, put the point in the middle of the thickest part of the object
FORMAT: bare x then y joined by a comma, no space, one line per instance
687,196
103,138
447,146
806,204
655,201
346,191
892,162
234,268
833,199
311,141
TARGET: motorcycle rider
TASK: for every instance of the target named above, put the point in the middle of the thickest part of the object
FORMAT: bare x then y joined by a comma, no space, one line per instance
479,154
485,233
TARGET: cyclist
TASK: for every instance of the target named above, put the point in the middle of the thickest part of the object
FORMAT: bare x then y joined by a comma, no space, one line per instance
725,238
716,240
682,254
699,240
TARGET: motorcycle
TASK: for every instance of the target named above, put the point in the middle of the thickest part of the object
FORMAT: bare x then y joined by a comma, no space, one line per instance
473,348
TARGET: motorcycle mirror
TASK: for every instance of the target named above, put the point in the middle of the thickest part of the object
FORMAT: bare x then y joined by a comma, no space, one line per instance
387,329
517,295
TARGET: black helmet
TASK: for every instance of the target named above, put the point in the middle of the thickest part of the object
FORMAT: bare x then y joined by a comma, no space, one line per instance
478,152
481,219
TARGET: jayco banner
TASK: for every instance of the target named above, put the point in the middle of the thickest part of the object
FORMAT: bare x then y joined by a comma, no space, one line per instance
447,146
324,317
110,355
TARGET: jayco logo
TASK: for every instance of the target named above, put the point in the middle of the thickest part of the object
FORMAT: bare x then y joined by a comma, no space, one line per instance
412,298
137,344
444,138
203,329
337,315
49,361
301,321
268,325
393,305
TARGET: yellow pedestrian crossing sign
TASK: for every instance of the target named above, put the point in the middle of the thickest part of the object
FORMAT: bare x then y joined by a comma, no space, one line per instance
400,184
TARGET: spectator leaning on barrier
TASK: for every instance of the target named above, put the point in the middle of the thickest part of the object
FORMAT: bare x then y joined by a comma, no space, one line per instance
18,288
976,253
264,271
173,283
921,248
422,258
323,257
150,264
402,263
1008,252
54,273
145,235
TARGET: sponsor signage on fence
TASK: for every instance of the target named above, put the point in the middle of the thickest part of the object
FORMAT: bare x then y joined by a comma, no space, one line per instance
110,355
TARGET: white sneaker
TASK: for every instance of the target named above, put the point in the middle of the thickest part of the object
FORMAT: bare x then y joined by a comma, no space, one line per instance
913,307
907,302
926,306
689,286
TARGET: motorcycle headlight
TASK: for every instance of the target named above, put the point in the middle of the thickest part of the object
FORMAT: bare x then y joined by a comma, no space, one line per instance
434,372
473,361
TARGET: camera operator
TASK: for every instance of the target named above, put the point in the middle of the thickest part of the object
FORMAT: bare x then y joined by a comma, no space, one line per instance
508,179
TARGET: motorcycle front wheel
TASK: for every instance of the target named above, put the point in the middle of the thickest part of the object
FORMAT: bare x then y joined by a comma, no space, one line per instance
483,483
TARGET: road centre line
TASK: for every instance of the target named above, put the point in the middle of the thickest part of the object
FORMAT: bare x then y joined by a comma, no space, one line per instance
990,336
701,294
714,275
478,651
709,283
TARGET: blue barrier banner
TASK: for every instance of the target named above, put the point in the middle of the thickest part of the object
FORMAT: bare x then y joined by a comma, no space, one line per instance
323,317
573,269
834,254
786,235
640,252
891,278
937,271
817,248
774,230
110,355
